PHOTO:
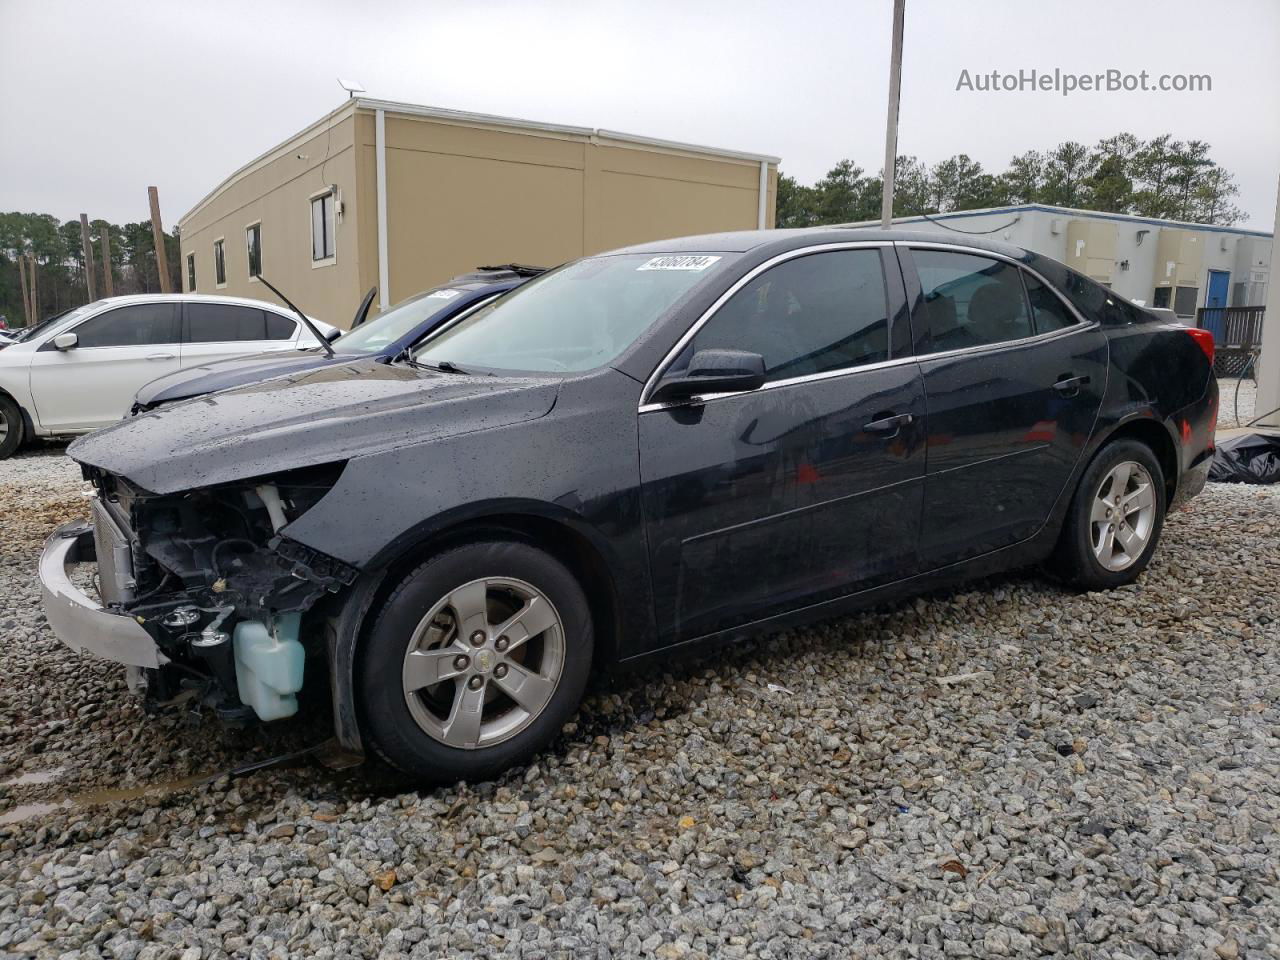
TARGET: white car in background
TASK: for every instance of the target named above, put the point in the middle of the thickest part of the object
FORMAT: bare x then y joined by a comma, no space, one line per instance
80,371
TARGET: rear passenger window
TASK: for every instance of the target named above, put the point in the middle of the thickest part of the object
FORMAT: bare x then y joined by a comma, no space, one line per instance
222,322
278,327
140,324
1049,311
970,301
812,314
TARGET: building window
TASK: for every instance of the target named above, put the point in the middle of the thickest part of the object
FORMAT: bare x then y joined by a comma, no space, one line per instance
191,273
322,227
1184,301
253,248
219,263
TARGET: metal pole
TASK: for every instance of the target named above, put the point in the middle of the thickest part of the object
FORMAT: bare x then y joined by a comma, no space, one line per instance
1269,360
891,128
87,246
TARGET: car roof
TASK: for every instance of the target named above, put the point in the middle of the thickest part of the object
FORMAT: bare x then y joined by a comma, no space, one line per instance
189,298
744,241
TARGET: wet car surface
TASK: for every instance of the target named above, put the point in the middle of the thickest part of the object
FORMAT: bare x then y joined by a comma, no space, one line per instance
670,444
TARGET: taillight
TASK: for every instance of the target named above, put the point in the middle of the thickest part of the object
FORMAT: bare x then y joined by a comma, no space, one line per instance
1205,339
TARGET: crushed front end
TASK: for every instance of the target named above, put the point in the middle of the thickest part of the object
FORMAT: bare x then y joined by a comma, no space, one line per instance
197,591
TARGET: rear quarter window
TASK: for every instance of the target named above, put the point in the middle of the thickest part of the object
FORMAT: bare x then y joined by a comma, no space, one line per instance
1095,301
278,327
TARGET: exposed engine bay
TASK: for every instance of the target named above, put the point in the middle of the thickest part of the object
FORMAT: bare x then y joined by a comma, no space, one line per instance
232,605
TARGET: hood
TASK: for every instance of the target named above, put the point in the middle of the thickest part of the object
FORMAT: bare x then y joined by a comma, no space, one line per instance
319,416
234,372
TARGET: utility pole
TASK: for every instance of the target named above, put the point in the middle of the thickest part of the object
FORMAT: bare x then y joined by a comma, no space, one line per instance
88,255
26,295
891,128
105,239
157,233
35,289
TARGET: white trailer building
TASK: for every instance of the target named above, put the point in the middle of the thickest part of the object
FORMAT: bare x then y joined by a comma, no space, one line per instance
1160,263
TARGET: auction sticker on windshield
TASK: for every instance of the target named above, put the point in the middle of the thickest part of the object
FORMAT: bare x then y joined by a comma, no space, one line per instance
699,262
443,294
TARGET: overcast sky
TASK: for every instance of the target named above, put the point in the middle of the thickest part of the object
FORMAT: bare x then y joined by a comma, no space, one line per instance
101,99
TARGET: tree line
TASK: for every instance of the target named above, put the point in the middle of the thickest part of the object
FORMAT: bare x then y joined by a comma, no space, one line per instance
1162,178
59,254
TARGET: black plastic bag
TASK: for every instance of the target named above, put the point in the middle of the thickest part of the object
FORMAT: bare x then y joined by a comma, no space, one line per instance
1248,458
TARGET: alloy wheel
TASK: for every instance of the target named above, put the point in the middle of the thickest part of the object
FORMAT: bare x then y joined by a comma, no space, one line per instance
1123,515
484,662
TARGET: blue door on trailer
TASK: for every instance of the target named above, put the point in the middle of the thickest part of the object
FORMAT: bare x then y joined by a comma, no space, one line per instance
1219,283
1215,300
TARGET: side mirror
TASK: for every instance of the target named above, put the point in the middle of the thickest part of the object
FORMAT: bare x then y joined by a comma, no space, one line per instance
713,371
65,341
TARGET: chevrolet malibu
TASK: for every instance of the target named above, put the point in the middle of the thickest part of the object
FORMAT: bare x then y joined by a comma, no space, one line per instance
673,443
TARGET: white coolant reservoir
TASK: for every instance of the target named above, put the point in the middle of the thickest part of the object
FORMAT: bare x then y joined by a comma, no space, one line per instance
269,668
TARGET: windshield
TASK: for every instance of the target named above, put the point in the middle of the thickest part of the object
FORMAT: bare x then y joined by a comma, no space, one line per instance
374,335
26,333
576,318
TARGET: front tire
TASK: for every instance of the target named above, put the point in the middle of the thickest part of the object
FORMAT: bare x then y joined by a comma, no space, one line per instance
12,429
1115,519
475,662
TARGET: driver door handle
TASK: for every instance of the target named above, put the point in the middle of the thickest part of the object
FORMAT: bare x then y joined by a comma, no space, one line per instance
889,426
1070,386
160,356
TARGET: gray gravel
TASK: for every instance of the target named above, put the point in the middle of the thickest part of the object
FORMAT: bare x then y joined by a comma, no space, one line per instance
1236,400
1010,770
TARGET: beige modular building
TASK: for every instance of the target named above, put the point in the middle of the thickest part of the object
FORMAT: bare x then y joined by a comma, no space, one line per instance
403,197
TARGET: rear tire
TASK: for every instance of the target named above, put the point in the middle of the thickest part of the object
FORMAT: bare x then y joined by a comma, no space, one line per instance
12,428
475,662
1114,522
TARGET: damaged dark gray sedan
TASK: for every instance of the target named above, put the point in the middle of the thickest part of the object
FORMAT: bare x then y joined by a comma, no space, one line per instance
684,441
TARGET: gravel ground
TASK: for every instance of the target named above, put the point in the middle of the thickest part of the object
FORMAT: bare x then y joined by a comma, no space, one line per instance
1228,390
1010,770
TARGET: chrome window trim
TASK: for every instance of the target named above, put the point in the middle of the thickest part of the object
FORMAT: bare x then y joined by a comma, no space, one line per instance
1007,344
1082,323
773,385
720,301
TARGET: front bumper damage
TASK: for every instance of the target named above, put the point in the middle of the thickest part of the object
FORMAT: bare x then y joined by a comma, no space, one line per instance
77,619
198,592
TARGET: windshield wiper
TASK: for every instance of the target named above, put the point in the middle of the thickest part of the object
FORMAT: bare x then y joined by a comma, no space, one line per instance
443,366
306,321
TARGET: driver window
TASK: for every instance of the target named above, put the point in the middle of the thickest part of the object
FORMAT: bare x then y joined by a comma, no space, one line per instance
141,324
811,314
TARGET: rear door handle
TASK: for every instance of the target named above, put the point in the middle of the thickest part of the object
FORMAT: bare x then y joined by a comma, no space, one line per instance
160,356
1070,386
889,426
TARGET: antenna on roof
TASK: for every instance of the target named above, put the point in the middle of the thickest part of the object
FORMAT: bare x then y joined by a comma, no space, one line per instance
351,86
